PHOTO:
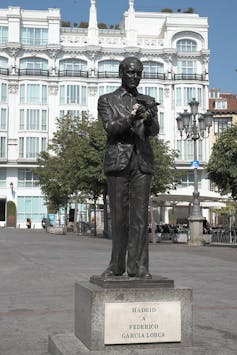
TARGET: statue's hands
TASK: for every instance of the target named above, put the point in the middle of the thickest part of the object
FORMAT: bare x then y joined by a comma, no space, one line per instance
138,111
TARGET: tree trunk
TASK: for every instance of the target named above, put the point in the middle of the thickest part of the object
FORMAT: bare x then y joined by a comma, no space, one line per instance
95,229
65,219
75,218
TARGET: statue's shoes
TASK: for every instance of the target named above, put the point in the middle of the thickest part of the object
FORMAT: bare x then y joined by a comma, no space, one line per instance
144,275
110,273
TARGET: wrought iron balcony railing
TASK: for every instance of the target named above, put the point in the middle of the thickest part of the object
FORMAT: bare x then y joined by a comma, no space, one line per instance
73,73
33,72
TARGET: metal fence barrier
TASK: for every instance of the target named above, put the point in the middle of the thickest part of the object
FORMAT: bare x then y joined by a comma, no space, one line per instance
224,236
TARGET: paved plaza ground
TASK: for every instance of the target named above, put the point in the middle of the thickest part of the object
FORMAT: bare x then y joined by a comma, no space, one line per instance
38,271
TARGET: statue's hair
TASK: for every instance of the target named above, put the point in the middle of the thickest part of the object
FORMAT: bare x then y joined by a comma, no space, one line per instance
126,61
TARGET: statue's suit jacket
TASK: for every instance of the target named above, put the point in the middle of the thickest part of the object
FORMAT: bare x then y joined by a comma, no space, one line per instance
125,135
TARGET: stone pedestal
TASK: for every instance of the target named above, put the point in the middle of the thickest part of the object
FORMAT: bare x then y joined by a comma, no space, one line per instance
128,316
196,230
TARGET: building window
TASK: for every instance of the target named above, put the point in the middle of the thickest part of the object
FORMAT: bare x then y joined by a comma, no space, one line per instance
221,104
32,207
186,150
189,94
33,120
33,66
161,122
21,147
214,94
4,66
220,124
73,67
185,94
3,177
3,93
153,91
186,45
44,120
3,119
3,34
33,94
30,147
43,144
186,66
188,179
108,69
34,36
73,94
3,141
153,70
26,178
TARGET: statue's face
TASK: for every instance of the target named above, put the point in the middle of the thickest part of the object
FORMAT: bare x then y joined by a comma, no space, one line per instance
131,75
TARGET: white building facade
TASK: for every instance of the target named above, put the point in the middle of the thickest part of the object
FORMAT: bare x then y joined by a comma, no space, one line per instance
47,71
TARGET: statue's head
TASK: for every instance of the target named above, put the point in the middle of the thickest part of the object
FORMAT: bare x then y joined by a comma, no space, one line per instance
130,71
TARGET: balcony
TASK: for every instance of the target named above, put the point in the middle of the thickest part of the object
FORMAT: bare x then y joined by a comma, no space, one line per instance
73,73
33,72
4,71
146,75
189,77
107,74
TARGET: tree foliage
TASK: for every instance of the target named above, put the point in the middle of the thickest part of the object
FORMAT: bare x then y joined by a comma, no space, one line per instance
165,176
222,168
168,10
83,24
65,23
73,161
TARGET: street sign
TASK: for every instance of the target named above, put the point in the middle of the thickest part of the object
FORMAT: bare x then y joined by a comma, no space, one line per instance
195,163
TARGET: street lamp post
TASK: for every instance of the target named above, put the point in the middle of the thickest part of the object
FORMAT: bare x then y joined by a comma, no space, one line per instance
195,129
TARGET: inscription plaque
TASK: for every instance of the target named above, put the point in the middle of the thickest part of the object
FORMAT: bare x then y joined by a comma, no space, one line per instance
142,322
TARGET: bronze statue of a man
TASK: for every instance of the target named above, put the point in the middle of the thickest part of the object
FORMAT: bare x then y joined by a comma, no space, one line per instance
129,119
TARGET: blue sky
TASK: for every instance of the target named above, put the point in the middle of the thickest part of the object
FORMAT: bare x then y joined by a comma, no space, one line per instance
222,17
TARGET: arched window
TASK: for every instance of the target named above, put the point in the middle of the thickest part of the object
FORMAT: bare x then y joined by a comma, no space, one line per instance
108,69
3,65
186,45
73,67
34,66
153,70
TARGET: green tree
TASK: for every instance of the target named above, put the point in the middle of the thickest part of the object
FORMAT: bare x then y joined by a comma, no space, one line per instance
73,162
102,25
166,10
221,168
65,23
90,159
83,24
166,175
190,10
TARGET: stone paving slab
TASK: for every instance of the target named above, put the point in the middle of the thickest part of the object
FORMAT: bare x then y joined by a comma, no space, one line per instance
38,272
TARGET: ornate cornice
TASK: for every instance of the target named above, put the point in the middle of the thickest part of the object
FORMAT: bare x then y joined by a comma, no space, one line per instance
54,51
12,49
